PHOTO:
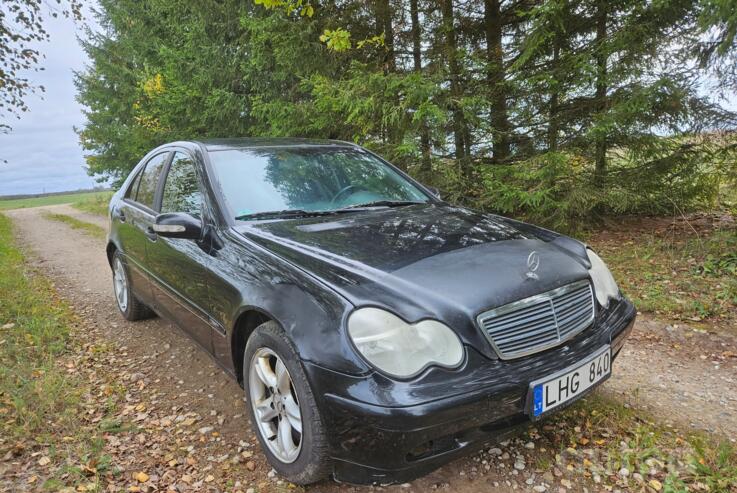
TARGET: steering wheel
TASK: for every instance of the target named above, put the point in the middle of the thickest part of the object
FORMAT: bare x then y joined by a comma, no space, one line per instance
343,191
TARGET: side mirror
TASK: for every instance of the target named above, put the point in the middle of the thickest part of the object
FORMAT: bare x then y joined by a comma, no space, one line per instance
177,225
435,192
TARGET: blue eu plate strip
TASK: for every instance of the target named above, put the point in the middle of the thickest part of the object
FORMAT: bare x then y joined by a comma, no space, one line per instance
537,400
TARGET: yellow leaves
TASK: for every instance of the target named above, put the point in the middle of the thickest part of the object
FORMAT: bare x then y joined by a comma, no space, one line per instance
372,41
337,39
154,86
44,461
141,477
303,7
149,122
655,484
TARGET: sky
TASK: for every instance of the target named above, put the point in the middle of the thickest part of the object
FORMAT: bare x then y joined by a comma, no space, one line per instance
42,149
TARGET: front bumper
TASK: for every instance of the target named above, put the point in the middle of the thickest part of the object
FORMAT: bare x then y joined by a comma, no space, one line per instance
385,431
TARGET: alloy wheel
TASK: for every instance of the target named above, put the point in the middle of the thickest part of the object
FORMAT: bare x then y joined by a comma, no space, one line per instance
120,282
275,405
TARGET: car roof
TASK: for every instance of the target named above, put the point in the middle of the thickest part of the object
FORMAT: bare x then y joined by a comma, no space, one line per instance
244,143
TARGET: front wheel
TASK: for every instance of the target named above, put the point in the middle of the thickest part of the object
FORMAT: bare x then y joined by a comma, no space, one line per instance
130,307
282,407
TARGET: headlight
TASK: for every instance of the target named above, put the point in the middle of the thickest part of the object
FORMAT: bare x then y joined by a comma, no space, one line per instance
604,284
401,349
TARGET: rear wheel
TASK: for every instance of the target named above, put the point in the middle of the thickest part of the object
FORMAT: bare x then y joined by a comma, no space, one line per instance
282,407
131,308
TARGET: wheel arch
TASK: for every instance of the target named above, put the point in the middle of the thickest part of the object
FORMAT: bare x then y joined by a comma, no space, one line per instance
110,251
246,322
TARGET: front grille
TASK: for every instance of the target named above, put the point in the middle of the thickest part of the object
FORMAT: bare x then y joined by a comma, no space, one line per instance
539,322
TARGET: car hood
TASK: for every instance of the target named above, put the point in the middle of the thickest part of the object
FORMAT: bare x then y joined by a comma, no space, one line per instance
426,260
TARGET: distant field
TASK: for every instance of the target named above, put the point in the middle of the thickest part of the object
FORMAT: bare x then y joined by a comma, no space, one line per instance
84,200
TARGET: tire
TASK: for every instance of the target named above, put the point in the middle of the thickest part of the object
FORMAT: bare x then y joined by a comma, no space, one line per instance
310,463
129,305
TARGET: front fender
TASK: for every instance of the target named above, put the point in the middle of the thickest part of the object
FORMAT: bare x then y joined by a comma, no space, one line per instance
247,277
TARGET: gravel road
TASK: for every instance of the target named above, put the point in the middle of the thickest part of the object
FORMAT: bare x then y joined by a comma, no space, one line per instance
685,377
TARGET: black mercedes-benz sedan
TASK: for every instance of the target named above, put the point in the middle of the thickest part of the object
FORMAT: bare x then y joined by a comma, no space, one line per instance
377,331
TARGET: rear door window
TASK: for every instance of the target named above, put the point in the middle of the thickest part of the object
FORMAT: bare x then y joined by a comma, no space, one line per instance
150,180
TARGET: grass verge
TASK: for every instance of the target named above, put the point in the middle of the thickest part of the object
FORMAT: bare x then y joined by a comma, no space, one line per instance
622,448
90,199
74,223
45,398
687,274
97,204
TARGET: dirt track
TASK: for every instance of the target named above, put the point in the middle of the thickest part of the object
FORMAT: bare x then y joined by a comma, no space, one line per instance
685,377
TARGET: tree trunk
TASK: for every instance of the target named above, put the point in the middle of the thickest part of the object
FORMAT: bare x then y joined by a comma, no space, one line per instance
553,126
495,77
426,164
384,25
601,84
451,49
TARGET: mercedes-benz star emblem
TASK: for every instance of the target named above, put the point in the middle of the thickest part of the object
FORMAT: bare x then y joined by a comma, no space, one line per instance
533,262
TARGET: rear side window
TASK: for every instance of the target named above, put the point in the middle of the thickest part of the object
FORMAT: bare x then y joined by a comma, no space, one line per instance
150,180
182,189
133,188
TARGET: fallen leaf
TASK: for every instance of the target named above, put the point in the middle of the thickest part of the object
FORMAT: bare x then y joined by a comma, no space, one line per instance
43,461
655,484
141,477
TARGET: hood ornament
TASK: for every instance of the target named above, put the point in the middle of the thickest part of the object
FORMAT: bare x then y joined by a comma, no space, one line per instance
533,263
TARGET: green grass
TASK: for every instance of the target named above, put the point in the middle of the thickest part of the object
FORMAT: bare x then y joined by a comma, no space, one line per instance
89,199
46,389
599,436
678,276
87,228
97,204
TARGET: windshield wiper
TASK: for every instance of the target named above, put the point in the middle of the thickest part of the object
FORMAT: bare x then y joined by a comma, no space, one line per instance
284,214
296,213
381,203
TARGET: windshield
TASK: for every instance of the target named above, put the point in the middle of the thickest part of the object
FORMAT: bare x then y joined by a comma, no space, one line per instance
256,181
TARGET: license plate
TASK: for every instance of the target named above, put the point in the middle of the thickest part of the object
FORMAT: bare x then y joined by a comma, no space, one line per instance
570,383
